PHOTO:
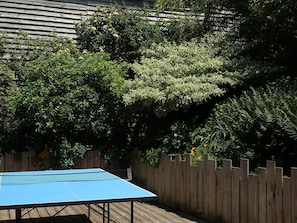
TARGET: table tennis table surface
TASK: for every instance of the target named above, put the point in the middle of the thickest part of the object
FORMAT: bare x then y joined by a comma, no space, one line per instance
56,187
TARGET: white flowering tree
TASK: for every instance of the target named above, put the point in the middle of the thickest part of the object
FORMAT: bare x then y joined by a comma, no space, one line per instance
172,77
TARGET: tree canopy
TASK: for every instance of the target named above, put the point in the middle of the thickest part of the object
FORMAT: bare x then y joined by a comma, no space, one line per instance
172,77
268,26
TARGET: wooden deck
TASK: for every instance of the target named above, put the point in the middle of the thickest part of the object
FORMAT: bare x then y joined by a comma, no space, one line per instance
119,213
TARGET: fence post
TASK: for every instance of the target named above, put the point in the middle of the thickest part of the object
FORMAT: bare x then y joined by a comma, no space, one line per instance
279,194
227,190
253,199
235,195
176,188
262,195
287,211
182,182
25,161
194,195
90,158
188,186
200,189
161,182
31,157
97,156
270,191
9,160
205,186
219,193
244,171
167,178
212,209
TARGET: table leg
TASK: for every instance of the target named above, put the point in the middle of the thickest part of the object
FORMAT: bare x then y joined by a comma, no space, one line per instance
108,213
18,215
89,211
132,212
103,214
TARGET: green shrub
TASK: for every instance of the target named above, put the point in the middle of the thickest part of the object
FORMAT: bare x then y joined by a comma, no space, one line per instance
119,31
24,49
7,92
66,153
153,155
124,33
261,124
64,91
73,95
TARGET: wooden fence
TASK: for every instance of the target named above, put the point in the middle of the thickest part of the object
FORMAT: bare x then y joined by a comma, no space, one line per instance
29,160
232,194
204,190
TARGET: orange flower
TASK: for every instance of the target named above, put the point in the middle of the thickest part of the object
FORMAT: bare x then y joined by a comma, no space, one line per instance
193,151
200,157
205,145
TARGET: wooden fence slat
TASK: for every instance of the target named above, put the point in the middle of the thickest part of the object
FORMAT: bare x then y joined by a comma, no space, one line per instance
227,190
17,161
151,173
262,195
279,194
200,171
85,159
157,180
97,159
188,186
143,172
9,160
47,161
134,164
219,193
235,195
205,186
244,171
160,188
79,163
294,194
253,199
182,180
173,182
182,183
31,157
25,160
287,200
176,182
167,178
212,189
194,189
91,158
270,191
150,177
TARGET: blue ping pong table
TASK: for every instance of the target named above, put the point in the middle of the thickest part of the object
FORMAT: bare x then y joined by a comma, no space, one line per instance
33,189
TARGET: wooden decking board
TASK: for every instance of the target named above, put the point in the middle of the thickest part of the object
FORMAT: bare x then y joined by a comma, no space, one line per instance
119,213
